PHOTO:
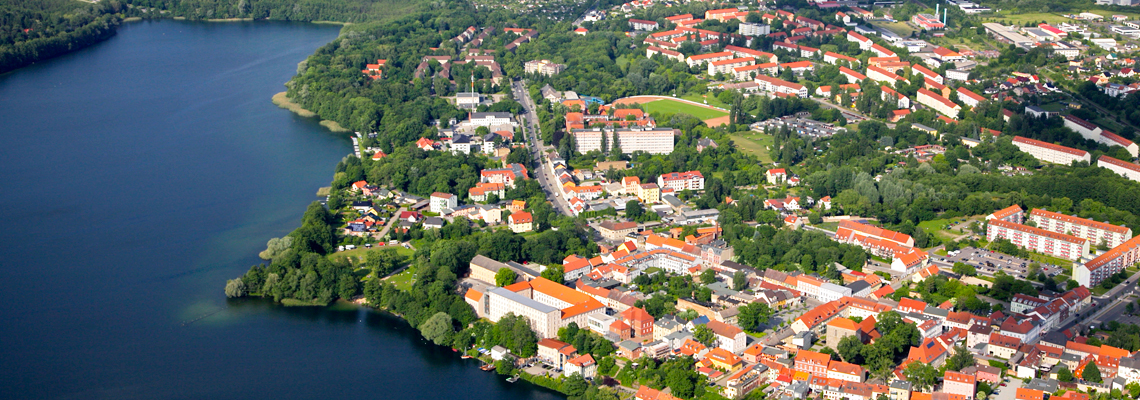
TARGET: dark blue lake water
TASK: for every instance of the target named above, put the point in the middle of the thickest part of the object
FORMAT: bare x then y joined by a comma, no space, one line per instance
141,173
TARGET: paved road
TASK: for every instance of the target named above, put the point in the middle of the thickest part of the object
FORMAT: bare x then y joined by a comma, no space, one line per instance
1116,294
542,171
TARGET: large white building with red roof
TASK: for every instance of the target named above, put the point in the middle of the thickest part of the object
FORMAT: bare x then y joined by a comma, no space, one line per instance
1050,153
1012,214
1038,240
1125,168
968,97
1095,231
938,103
1111,262
547,305
699,59
691,180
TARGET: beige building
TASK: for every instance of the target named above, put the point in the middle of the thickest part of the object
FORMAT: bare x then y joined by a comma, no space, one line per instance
616,231
546,305
521,222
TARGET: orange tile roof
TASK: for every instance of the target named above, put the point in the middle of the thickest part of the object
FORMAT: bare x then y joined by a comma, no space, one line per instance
1005,212
843,323
813,357
1078,221
1038,231
1050,146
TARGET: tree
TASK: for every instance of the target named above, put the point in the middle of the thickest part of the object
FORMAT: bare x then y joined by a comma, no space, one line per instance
1091,373
708,276
962,268
633,209
851,349
923,376
554,273
505,276
960,360
740,281
752,315
815,219
235,288
704,335
575,385
437,328
1064,375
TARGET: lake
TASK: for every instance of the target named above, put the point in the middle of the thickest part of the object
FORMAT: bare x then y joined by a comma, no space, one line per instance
141,173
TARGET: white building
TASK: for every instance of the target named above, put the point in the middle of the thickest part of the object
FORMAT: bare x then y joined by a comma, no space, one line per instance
754,29
1095,231
968,97
547,305
726,66
699,59
938,103
440,201
678,181
1038,240
543,67
1127,169
649,140
1049,152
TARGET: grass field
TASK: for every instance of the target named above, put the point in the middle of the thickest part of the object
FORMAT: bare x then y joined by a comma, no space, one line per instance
756,144
938,228
700,98
1021,19
672,107
899,28
1108,123
830,226
404,280
357,254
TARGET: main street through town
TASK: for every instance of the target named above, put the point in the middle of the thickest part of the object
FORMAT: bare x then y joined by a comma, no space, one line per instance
542,171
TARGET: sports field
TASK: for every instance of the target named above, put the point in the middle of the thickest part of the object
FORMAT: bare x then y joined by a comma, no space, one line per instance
672,107
661,104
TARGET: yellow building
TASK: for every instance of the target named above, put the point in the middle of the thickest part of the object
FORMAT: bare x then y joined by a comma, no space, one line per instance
649,193
724,360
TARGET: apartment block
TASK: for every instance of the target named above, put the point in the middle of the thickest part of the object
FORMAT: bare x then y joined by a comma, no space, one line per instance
1127,169
1095,231
1098,269
938,103
678,181
1038,240
1050,153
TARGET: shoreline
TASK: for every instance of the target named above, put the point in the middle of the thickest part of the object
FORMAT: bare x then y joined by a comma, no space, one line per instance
283,101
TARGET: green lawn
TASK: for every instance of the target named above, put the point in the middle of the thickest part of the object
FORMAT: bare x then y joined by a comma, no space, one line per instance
1044,259
899,28
1021,19
700,98
830,226
403,280
673,107
357,254
756,144
938,228
1053,106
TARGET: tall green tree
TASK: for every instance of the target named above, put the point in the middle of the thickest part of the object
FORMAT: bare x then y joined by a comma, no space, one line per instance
437,329
1091,373
505,276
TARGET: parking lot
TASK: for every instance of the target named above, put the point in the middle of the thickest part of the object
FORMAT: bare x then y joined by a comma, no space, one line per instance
989,262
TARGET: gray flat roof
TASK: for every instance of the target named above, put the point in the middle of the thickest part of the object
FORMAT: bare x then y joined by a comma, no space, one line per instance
525,301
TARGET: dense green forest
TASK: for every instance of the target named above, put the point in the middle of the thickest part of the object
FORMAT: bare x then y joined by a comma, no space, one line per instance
33,30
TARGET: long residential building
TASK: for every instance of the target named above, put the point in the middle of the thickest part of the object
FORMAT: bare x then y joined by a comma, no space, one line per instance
1050,153
1111,262
726,66
708,58
1012,214
1038,240
1125,168
938,103
881,75
678,181
968,97
670,54
1094,231
746,52
546,305
778,86
649,140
